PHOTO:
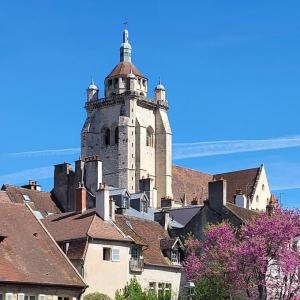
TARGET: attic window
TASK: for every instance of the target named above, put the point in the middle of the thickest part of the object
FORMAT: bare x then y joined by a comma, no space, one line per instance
26,198
174,256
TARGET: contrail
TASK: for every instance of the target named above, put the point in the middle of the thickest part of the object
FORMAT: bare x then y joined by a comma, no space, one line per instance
201,149
50,152
189,150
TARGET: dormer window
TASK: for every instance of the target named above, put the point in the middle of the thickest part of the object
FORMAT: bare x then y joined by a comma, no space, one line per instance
175,256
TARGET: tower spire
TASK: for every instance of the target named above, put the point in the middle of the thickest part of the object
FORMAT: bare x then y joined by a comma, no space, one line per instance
125,49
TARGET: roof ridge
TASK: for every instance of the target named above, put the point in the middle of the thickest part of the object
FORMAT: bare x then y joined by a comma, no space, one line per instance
235,171
22,188
187,168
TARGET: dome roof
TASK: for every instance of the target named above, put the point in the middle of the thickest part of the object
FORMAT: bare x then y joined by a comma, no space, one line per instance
160,87
124,68
92,86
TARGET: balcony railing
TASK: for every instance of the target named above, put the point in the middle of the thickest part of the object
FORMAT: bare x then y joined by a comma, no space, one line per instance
136,264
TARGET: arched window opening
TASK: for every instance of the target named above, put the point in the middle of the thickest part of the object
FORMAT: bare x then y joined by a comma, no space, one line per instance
263,187
257,199
106,136
150,137
142,94
117,135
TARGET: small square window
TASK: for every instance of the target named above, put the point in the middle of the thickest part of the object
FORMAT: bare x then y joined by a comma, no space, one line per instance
152,286
106,254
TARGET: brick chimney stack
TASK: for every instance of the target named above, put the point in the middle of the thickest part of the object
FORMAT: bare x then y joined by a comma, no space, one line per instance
80,199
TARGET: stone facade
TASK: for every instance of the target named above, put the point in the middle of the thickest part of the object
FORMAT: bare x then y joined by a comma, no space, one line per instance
130,132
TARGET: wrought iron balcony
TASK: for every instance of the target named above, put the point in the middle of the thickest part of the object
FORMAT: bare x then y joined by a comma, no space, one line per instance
136,264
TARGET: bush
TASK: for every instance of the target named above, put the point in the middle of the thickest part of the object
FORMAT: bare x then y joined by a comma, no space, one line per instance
134,291
96,296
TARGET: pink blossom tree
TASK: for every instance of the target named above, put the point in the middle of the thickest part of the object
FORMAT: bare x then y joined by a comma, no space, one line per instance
258,260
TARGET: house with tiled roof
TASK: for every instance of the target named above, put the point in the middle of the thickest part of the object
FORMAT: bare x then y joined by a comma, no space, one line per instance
214,210
108,249
32,265
248,188
41,202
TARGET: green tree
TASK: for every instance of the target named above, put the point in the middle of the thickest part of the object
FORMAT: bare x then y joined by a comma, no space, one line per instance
96,296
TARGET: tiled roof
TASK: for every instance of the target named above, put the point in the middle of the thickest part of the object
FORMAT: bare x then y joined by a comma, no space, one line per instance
41,201
193,183
243,214
243,180
77,249
76,225
123,68
190,182
28,254
4,197
146,233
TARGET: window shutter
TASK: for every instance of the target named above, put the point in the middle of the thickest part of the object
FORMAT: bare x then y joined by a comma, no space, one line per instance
21,296
115,254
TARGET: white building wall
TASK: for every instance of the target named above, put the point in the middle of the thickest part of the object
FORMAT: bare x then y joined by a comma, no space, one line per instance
106,276
262,193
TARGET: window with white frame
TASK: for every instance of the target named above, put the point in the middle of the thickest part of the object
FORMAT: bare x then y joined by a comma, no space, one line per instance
9,296
135,252
115,254
21,296
174,256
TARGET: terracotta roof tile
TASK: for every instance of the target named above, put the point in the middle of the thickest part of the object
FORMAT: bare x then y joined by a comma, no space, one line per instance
190,182
41,201
243,214
76,225
123,68
193,183
146,232
28,254
243,180
4,197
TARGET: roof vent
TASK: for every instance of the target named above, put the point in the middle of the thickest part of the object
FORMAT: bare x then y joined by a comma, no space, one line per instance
26,198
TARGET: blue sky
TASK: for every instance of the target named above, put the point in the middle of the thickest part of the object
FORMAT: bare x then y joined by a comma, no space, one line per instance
231,69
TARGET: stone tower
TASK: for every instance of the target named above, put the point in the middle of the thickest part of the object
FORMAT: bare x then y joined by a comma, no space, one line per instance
130,132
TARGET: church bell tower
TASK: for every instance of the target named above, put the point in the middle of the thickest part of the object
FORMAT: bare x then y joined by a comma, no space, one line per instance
130,132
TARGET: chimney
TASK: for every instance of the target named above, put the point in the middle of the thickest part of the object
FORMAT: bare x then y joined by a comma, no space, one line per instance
240,199
102,202
163,218
194,201
112,208
93,173
32,185
217,194
166,202
80,199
